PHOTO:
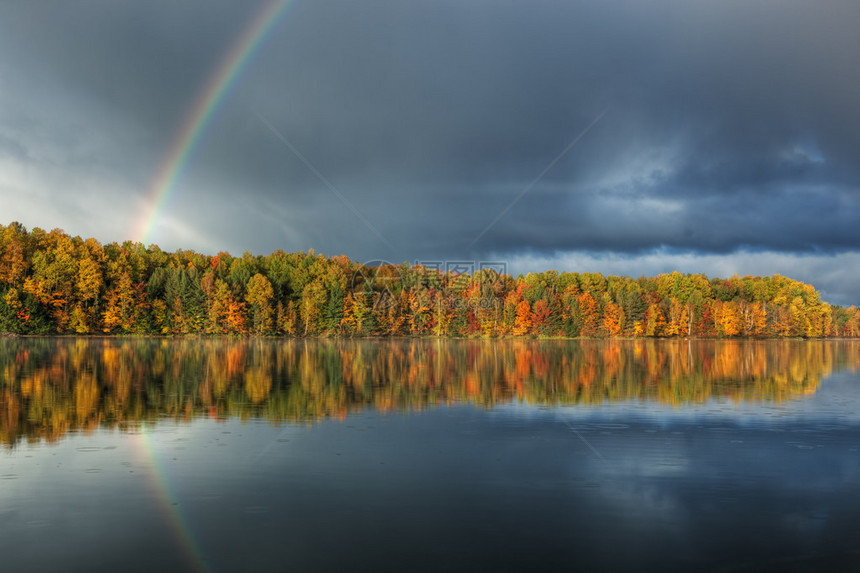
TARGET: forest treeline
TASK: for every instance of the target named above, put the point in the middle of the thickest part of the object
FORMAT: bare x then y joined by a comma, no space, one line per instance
53,283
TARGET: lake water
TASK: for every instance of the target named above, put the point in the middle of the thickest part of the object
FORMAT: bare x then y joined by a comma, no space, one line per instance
429,455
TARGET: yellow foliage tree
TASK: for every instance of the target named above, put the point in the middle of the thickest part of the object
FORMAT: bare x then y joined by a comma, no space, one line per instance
259,296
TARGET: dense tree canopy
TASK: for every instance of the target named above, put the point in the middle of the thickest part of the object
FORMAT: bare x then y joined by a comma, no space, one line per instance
53,283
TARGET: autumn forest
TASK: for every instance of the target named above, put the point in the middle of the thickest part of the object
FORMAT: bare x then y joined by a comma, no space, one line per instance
52,283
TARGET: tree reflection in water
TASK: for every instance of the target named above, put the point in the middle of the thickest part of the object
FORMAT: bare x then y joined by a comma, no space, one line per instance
50,387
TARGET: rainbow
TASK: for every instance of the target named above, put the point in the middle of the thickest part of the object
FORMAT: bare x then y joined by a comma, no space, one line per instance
169,501
205,105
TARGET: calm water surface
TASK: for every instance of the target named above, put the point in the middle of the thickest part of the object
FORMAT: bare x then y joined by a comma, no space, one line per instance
511,455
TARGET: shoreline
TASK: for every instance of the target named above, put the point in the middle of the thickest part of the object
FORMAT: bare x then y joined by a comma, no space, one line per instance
11,335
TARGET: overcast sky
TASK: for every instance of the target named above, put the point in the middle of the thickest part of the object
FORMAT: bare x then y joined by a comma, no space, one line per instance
631,137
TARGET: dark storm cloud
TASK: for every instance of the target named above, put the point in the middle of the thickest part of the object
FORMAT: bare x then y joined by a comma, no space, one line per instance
142,59
749,106
728,126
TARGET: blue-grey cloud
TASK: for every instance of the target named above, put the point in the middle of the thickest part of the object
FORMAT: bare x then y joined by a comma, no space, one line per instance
729,128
